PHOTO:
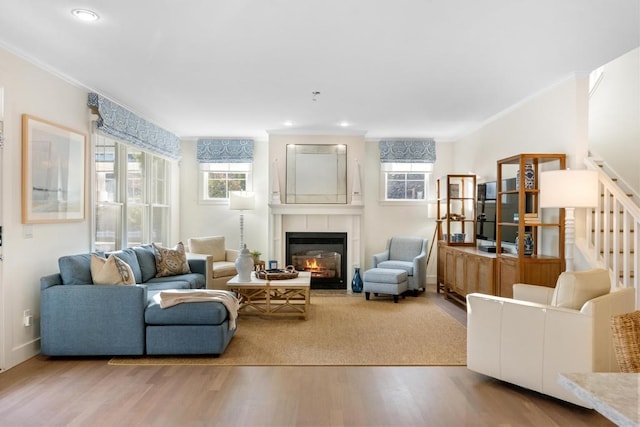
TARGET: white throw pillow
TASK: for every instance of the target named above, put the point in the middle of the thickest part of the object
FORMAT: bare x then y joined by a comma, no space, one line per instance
573,289
213,246
111,271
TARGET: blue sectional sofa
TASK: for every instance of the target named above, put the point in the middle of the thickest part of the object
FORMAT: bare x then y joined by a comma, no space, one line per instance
80,318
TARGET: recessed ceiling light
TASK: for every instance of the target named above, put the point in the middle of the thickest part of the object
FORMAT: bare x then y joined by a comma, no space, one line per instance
288,123
85,15
344,124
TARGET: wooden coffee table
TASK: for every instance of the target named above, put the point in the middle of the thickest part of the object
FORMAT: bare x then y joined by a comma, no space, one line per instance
277,298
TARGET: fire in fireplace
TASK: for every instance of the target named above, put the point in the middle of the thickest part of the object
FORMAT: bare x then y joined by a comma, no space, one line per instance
324,255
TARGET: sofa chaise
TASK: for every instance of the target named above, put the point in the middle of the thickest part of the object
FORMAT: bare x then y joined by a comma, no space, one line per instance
80,317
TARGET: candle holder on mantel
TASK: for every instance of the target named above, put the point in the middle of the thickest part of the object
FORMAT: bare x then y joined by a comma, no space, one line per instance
275,184
356,188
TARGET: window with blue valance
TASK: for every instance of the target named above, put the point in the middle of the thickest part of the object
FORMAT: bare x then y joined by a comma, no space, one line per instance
225,151
408,151
120,123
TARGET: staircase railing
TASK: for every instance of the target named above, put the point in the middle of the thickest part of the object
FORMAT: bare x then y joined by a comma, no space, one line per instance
613,231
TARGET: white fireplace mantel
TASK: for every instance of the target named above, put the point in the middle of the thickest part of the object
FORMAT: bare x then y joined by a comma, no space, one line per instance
316,217
316,209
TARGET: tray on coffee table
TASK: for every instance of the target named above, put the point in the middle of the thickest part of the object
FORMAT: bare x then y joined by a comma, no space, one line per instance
276,274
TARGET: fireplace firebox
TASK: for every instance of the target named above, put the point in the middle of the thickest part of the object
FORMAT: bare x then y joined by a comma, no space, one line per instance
323,254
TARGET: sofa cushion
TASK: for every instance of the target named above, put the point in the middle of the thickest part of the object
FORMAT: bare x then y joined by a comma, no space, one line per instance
193,313
574,289
398,265
213,245
224,269
147,261
75,269
192,281
166,283
385,275
111,271
129,256
170,262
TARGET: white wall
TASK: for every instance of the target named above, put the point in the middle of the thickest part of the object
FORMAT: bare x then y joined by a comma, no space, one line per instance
31,251
278,156
614,117
383,220
30,90
198,219
554,121
278,150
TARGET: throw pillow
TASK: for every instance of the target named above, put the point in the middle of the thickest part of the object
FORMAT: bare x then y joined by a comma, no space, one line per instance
111,271
170,262
573,289
213,246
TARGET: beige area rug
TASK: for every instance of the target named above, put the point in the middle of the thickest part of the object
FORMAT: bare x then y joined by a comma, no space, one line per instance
341,330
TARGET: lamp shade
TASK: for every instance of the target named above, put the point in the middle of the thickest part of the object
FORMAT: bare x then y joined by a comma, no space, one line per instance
568,188
242,200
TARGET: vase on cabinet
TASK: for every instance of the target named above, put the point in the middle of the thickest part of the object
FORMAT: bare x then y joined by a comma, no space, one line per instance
529,177
356,282
527,244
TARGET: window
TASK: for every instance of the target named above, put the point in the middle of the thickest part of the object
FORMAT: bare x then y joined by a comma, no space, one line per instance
405,181
132,196
218,179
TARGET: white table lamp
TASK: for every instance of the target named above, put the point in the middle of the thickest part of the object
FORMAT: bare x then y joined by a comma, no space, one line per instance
569,189
242,201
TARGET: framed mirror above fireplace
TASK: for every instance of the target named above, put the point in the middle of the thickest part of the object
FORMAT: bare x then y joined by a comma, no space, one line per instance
316,173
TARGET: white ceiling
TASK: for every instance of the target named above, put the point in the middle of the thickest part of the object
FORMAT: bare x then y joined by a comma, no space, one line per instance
391,68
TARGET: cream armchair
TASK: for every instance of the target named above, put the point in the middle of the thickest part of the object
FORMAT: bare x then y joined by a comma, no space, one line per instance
220,261
542,332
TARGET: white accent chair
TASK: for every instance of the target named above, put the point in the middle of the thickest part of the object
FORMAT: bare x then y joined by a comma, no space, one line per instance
408,254
220,261
542,332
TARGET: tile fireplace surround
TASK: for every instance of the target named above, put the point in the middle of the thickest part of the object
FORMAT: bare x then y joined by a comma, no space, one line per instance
341,218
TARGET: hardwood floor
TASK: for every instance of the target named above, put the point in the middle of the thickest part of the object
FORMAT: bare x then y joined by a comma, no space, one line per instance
88,392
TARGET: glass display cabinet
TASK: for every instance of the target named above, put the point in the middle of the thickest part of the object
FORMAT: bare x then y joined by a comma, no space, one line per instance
456,209
529,240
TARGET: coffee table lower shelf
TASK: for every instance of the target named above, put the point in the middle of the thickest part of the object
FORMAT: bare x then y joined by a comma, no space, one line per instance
273,298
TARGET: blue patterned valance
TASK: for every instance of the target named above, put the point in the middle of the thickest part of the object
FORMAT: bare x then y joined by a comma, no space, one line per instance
124,125
408,151
225,151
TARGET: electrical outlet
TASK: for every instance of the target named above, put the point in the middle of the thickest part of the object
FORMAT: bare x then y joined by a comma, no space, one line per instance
27,231
27,318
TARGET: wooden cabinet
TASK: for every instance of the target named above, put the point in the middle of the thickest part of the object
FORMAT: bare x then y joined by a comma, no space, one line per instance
463,270
480,271
456,198
543,271
538,255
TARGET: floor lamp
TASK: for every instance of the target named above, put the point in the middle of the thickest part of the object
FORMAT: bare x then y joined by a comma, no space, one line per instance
569,189
241,201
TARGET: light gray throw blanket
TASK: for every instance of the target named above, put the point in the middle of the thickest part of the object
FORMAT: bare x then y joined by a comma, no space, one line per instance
230,301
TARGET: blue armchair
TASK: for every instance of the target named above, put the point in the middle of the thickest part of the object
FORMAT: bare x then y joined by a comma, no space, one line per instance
409,254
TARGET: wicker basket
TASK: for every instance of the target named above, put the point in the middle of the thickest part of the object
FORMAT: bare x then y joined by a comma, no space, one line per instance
626,340
279,275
